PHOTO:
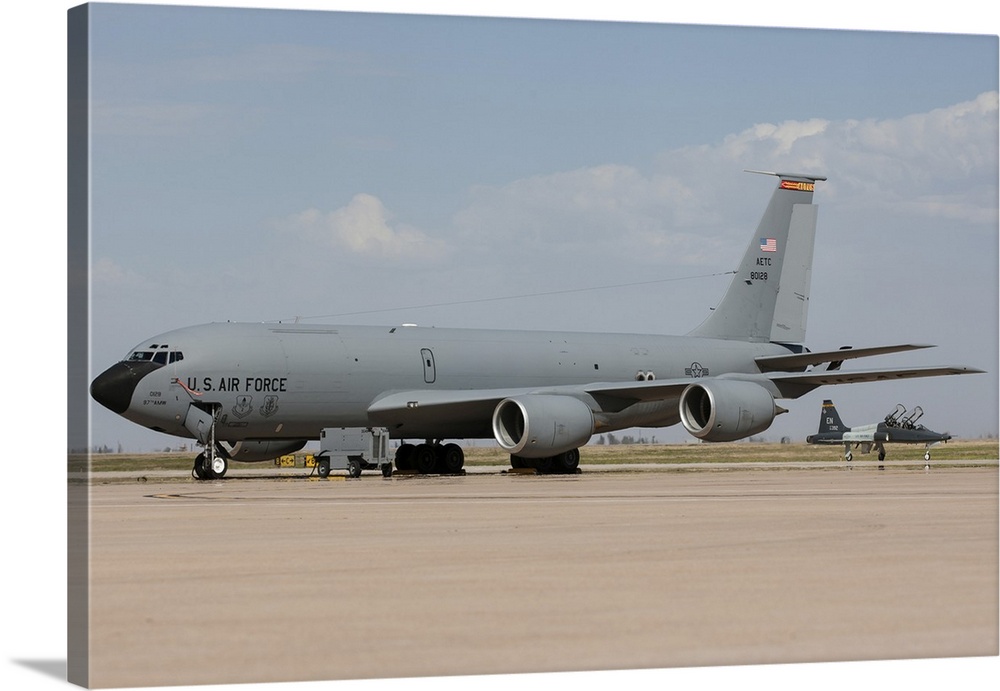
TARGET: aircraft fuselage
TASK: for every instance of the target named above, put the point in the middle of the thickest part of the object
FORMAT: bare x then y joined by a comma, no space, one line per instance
288,381
878,433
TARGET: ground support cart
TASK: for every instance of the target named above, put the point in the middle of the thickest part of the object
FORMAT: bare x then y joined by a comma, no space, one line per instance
353,449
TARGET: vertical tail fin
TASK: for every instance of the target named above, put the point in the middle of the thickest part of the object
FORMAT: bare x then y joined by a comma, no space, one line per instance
768,298
829,419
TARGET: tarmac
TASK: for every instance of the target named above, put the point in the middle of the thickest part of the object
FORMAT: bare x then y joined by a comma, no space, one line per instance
264,577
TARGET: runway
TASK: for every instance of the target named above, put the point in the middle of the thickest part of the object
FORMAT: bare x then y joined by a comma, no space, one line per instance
259,579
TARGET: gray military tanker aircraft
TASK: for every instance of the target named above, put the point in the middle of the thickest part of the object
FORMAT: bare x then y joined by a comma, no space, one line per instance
255,391
896,428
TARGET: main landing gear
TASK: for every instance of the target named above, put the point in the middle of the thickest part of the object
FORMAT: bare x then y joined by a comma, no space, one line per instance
848,456
431,457
566,463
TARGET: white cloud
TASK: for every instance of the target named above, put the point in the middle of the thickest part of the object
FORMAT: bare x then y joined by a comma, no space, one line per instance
365,228
780,139
937,164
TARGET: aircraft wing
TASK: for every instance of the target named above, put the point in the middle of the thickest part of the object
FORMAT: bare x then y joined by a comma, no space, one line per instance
795,384
420,407
790,384
472,402
799,361
469,413
468,409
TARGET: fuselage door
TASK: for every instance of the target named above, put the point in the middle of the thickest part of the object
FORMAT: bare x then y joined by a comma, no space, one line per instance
199,424
430,373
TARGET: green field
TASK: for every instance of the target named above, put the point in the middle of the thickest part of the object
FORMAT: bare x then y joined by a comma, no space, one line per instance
738,452
749,452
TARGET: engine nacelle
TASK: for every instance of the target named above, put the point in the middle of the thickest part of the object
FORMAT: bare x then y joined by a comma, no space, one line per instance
542,425
726,410
251,451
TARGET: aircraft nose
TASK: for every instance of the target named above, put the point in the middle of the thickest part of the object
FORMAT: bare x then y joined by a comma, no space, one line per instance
114,387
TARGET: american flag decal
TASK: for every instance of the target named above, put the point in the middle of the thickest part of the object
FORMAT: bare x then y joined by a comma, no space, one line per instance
768,245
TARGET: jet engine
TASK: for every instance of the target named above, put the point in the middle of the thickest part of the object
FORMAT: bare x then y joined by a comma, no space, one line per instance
541,425
726,410
250,451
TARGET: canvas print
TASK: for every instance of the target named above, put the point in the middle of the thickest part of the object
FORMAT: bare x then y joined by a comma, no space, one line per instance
414,346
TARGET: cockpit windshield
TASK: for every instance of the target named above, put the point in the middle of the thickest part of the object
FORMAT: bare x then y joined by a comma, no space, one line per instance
155,354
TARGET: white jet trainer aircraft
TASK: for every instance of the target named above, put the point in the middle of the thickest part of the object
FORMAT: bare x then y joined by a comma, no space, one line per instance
255,391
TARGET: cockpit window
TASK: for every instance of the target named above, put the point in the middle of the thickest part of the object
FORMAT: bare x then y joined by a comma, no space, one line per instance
161,357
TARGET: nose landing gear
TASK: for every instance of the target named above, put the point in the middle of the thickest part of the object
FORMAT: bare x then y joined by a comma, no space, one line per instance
210,464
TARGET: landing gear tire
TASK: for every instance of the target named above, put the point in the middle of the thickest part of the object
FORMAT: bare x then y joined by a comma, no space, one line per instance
544,465
205,469
219,466
404,457
452,459
387,470
567,462
199,470
927,456
848,456
424,459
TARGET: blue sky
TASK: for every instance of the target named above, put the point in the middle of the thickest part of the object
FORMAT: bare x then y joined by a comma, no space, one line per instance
218,198
266,164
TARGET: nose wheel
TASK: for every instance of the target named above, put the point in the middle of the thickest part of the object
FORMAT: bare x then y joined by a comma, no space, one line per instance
209,466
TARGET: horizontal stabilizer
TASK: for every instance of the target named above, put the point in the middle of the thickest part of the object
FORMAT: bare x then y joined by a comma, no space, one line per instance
799,361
